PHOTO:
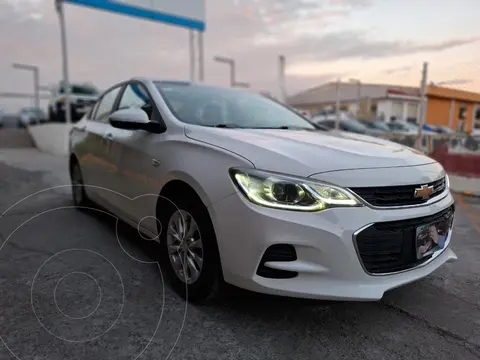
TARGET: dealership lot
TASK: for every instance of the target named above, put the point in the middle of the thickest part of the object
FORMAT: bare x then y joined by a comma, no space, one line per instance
81,286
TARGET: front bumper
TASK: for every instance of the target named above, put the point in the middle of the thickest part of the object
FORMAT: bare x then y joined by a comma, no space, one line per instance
327,264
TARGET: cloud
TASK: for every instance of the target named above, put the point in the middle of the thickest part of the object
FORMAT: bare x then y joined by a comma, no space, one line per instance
352,3
453,82
400,69
349,44
105,48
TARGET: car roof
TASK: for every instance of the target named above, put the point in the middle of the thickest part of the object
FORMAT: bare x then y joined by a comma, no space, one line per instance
190,83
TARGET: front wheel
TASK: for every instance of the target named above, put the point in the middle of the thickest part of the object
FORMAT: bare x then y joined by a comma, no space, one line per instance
189,251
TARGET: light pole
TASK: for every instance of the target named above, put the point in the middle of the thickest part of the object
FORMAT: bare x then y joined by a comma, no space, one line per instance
337,106
359,94
423,102
66,82
281,77
36,84
230,62
191,43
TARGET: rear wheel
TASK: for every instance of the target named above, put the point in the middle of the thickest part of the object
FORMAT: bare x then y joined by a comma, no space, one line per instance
79,195
189,252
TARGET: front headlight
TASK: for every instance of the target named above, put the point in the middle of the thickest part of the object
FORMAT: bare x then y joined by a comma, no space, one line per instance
290,193
447,182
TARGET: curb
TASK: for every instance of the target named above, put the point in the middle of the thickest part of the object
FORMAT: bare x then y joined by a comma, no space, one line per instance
467,193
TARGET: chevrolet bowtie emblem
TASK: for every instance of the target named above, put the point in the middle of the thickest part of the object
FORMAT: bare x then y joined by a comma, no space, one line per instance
423,192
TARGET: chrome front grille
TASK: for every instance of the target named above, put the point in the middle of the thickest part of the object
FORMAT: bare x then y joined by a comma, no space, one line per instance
404,195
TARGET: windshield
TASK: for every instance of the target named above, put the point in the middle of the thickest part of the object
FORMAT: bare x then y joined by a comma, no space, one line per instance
375,125
380,126
354,125
212,106
399,126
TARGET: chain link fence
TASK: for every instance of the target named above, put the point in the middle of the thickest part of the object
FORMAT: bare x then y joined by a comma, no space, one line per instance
459,154
429,143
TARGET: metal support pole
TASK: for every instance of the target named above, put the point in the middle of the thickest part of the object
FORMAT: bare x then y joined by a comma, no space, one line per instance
281,78
66,82
423,102
359,98
232,74
201,62
191,38
231,63
337,106
36,83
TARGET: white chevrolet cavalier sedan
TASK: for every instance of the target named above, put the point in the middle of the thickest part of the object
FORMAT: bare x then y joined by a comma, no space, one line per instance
240,189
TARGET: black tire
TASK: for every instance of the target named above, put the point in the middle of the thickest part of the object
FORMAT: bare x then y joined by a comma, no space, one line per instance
52,117
61,117
79,196
209,284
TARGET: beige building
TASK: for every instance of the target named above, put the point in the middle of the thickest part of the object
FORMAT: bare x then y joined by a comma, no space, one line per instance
376,100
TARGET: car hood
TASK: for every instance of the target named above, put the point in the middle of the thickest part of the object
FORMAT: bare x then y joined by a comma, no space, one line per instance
306,152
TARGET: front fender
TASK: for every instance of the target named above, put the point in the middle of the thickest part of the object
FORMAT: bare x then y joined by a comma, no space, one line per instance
205,168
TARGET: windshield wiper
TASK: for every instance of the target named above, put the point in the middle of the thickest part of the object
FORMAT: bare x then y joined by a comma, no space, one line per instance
284,127
226,126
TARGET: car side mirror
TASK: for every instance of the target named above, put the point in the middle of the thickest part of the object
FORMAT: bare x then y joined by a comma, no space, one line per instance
135,119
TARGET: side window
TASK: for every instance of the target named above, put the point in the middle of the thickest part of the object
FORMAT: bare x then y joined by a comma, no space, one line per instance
105,104
93,109
136,96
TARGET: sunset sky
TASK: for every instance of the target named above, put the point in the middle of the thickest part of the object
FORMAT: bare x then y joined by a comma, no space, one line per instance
383,41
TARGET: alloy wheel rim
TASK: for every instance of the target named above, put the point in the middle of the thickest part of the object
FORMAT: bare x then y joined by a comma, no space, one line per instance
185,246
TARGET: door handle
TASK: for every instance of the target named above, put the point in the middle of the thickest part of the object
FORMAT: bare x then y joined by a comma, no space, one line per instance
108,136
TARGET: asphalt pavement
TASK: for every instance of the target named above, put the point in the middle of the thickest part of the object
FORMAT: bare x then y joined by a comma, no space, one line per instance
79,285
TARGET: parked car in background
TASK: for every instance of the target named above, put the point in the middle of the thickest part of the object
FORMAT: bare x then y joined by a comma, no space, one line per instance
376,125
443,129
427,129
82,97
400,127
349,125
30,116
240,189
408,128
476,129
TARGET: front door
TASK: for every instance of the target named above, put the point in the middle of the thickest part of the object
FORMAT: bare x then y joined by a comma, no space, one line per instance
138,176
